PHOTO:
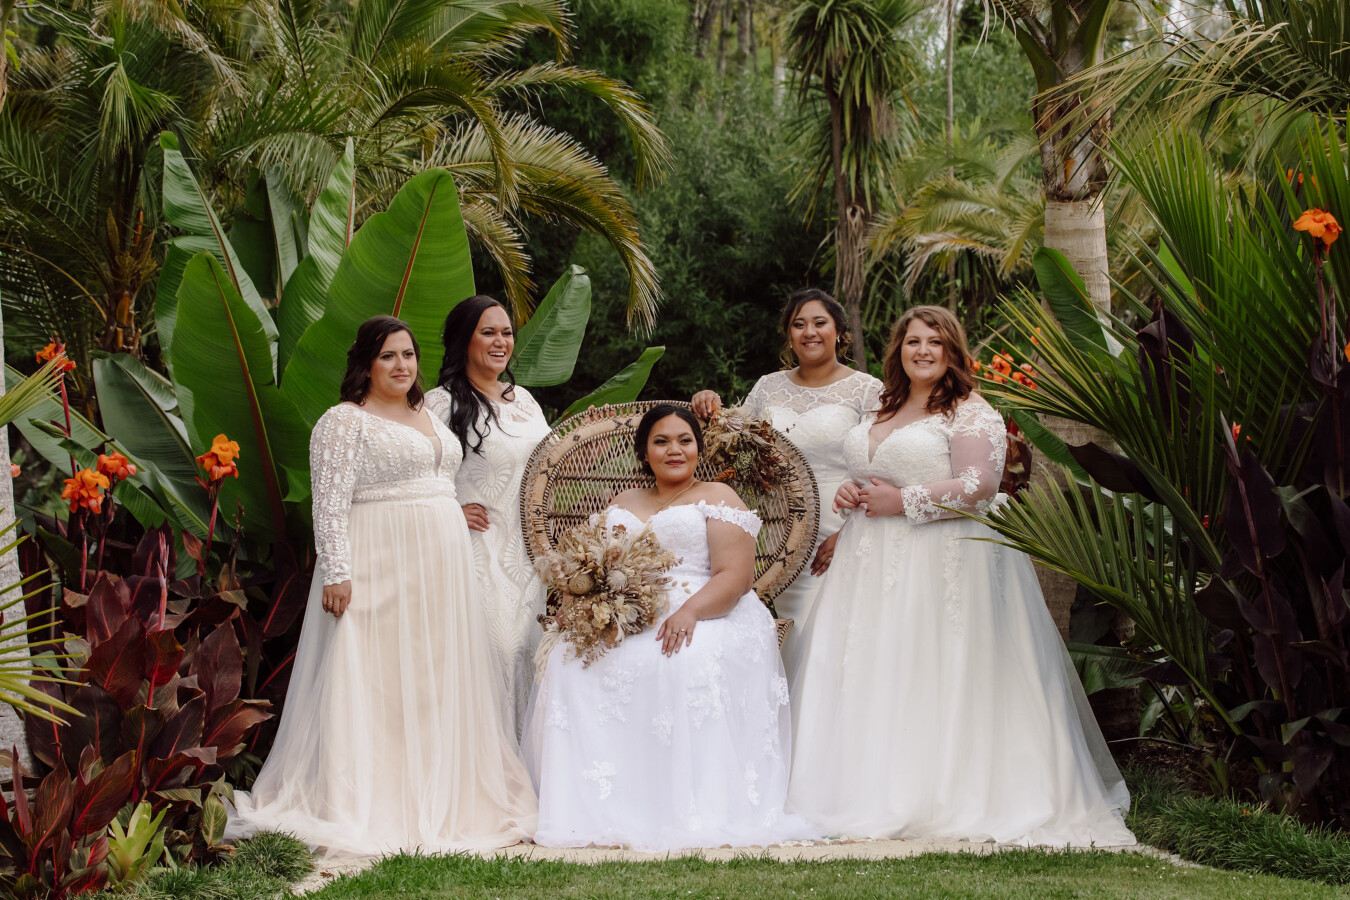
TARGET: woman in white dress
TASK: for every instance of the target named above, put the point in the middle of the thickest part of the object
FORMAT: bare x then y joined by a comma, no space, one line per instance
814,404
677,738
394,735
934,698
498,425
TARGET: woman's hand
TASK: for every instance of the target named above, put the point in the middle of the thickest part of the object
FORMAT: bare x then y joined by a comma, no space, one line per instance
705,403
677,630
881,499
336,598
847,496
475,514
824,553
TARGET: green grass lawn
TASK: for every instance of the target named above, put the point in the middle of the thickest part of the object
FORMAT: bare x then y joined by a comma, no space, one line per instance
1017,875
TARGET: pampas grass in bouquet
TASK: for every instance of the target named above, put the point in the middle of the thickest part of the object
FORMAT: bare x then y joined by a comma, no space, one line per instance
611,584
743,450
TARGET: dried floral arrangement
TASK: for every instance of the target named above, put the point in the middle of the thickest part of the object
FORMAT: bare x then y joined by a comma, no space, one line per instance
743,450
611,583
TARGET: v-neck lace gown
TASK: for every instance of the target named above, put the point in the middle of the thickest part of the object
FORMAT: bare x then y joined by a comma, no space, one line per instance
934,698
662,753
395,733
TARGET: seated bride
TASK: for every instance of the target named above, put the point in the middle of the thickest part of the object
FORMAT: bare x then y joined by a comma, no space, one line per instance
677,737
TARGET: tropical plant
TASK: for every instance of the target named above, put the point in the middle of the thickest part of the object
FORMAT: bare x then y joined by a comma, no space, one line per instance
1284,57
263,104
849,61
1219,525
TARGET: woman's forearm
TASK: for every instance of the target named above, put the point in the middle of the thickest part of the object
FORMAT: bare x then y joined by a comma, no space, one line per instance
718,597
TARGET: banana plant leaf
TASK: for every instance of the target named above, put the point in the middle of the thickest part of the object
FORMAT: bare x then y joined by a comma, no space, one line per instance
411,261
548,344
158,388
331,224
227,386
1068,298
624,387
187,208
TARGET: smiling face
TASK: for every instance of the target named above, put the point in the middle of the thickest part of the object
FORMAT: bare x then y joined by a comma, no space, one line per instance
394,369
923,354
672,450
813,334
491,346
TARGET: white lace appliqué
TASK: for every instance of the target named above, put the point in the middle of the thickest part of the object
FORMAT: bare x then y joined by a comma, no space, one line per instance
601,773
745,519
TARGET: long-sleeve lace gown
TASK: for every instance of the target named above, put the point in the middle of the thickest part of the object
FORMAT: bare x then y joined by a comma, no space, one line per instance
661,753
934,697
815,419
509,588
394,734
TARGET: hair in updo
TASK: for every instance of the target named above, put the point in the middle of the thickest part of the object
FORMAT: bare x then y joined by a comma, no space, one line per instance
654,415
843,343
370,338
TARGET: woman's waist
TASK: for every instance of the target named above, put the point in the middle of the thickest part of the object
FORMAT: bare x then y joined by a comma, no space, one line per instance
414,489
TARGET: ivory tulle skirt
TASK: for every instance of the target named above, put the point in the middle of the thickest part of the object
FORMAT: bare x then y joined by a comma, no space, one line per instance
394,734
933,698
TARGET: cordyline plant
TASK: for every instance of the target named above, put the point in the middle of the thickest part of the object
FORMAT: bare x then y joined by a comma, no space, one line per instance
1218,521
170,682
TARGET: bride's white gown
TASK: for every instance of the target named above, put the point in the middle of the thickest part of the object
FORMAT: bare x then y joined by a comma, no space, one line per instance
934,697
510,591
815,419
662,753
394,733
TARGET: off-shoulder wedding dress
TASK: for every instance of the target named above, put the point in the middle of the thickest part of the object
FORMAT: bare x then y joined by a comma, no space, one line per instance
934,697
661,753
394,735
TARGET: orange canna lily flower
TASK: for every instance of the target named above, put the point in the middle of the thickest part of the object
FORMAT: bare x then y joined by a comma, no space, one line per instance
1319,224
1347,352
52,351
218,462
86,490
115,465
974,365
14,470
1002,363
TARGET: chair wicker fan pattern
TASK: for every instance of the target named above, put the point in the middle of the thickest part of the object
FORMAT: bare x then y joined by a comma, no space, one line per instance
588,459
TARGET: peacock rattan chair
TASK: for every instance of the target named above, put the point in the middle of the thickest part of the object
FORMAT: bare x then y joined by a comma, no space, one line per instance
588,459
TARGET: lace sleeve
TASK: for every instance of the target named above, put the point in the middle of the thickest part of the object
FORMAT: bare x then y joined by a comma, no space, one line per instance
437,403
978,445
870,397
754,401
744,519
333,448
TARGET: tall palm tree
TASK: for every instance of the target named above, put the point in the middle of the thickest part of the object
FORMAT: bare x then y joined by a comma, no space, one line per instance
1061,39
849,61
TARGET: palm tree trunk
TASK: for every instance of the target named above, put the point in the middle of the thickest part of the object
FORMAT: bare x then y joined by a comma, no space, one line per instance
849,230
1077,228
11,728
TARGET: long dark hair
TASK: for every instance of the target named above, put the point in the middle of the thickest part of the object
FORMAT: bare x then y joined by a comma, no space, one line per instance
649,420
467,403
844,340
370,338
956,383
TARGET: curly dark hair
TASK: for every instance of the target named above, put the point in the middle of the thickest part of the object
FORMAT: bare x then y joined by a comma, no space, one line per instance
654,415
956,383
370,338
467,403
843,343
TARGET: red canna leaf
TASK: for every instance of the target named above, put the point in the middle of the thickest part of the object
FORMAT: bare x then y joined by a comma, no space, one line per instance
97,803
229,725
106,609
118,664
100,724
51,806
163,653
183,731
140,726
219,666
164,774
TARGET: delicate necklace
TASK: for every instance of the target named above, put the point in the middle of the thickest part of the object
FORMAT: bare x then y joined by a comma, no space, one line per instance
676,497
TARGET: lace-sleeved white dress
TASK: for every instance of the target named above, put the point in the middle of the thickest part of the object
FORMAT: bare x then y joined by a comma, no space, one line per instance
661,753
934,697
510,590
815,419
394,733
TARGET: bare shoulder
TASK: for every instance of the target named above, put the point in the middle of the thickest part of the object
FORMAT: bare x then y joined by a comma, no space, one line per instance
715,492
627,498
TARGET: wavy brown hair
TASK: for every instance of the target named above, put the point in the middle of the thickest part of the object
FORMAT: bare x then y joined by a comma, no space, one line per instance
956,383
370,338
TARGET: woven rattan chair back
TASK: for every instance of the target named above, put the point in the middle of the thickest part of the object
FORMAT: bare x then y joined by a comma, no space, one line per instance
588,459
